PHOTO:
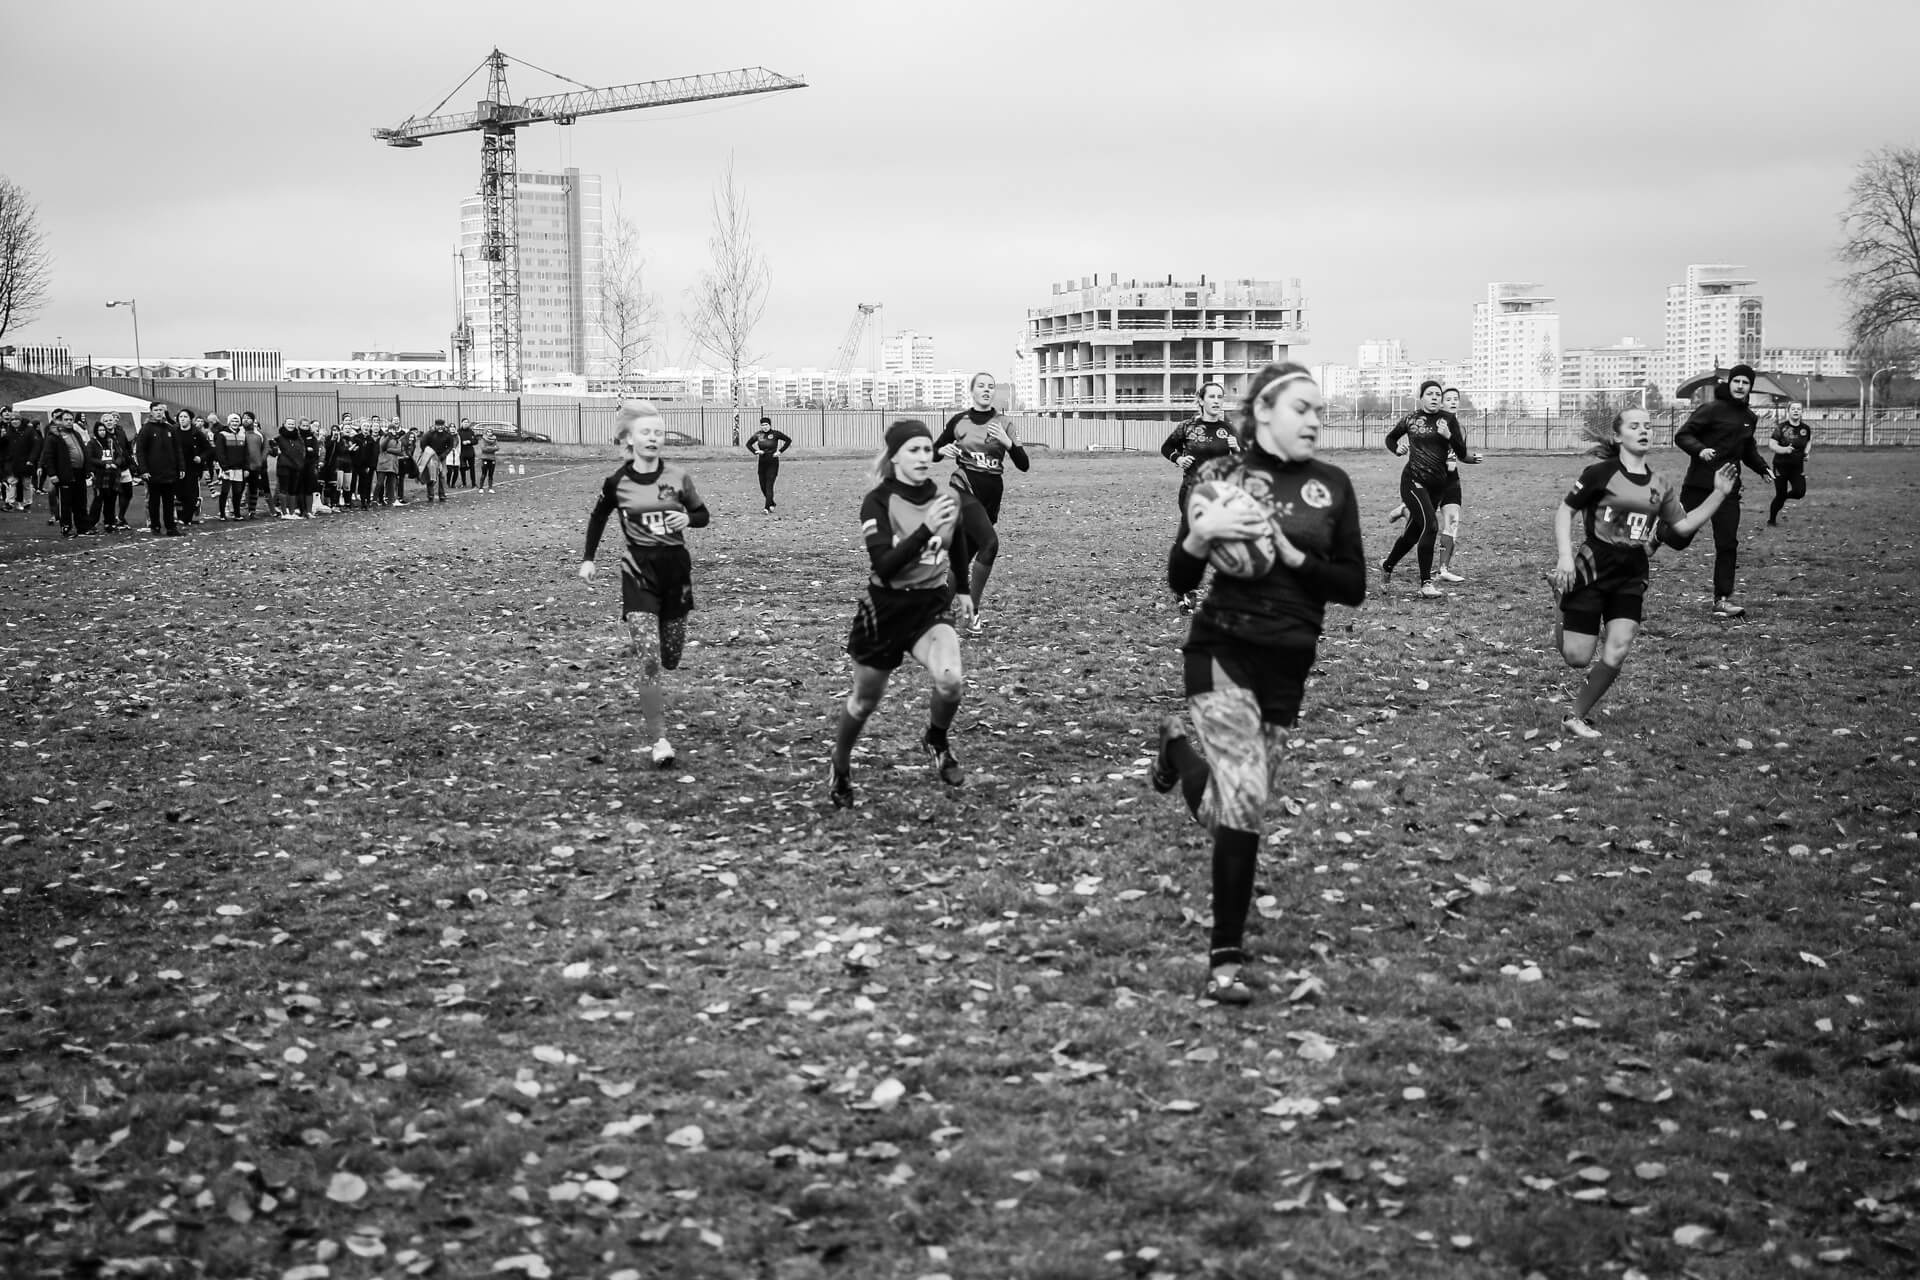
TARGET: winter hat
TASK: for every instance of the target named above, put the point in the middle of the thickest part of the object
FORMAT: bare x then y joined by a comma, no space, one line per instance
904,430
1740,371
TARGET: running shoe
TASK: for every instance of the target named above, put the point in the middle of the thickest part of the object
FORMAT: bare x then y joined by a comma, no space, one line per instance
941,758
1225,986
1165,776
1724,607
1448,575
973,628
840,788
662,754
1386,571
1580,727
1430,592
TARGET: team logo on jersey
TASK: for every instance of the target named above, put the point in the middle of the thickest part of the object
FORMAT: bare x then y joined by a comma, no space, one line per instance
666,493
1316,495
1256,485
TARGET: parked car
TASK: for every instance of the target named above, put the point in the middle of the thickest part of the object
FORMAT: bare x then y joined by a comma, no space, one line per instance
509,433
681,437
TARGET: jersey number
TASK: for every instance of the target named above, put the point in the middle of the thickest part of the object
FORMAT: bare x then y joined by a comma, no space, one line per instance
653,521
930,554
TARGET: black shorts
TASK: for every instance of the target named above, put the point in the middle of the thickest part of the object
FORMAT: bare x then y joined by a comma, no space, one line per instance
656,580
1606,587
891,622
1277,678
1448,493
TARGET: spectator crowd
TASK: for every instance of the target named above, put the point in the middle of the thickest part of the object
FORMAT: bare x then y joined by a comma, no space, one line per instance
186,462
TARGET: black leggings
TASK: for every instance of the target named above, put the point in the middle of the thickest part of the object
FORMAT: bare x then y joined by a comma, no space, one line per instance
1423,525
1787,487
769,473
486,473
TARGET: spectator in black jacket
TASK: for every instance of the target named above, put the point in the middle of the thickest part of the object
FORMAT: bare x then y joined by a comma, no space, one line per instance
1718,432
22,448
66,458
192,450
112,476
157,454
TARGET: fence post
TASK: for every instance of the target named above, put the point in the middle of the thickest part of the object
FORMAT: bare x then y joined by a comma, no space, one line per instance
823,426
519,409
579,422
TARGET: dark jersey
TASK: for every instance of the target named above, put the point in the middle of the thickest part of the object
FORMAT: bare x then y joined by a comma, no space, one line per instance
766,442
1314,505
1795,437
643,502
1623,510
1430,438
1200,440
905,554
979,458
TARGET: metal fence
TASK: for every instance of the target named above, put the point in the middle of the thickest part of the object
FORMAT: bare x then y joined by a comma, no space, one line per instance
577,420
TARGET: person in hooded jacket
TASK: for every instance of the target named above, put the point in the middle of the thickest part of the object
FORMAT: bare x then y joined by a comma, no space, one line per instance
157,454
191,451
1721,431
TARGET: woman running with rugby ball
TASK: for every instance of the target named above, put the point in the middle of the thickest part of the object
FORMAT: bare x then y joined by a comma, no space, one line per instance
1253,640
1625,503
917,583
657,504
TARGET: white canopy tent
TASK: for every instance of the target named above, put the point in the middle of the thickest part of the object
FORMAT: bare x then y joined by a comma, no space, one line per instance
95,400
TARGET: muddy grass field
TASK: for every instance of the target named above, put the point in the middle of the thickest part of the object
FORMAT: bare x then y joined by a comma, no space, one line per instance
345,930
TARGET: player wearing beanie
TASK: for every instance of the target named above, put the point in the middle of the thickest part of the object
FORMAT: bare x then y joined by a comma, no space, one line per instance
917,582
1715,434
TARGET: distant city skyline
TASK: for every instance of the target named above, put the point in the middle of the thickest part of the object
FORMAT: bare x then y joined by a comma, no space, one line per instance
1394,166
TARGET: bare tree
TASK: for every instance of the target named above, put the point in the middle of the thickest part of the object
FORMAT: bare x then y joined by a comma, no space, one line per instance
24,259
628,312
727,303
1882,247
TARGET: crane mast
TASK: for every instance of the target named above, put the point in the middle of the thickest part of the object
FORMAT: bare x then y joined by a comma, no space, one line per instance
850,345
497,120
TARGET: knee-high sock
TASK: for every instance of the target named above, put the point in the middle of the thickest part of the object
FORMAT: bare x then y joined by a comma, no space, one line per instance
1600,678
1443,550
1235,854
1193,773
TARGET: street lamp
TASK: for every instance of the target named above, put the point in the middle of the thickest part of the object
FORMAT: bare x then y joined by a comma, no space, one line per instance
133,304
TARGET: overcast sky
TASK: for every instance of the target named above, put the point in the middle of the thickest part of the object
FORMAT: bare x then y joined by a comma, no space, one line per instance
212,158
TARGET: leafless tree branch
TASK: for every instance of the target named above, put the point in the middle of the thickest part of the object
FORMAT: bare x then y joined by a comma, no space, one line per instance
731,296
25,262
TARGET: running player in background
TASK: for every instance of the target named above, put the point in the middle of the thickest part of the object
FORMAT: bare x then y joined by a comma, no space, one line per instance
1204,436
1604,583
1253,640
1450,495
916,584
1792,442
767,445
1431,433
657,503
981,441
1718,432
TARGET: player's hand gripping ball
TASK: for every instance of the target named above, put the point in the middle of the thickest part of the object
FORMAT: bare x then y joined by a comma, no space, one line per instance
1237,557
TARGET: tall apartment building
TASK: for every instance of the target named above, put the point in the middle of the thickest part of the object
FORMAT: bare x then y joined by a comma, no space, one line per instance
1712,322
1516,349
1804,362
907,352
1627,363
1140,349
560,274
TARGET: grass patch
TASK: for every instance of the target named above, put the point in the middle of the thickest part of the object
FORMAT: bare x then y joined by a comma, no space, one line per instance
343,922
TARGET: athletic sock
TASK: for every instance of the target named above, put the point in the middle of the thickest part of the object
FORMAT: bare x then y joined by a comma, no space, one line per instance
1443,551
1234,856
1192,770
936,737
1600,678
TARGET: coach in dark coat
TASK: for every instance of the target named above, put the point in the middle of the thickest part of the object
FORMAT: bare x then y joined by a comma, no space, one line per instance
157,454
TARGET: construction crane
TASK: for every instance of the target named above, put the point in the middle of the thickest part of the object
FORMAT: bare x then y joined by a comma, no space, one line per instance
496,119
850,345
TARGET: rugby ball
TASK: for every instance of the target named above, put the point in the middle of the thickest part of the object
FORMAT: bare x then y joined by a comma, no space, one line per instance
1246,558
